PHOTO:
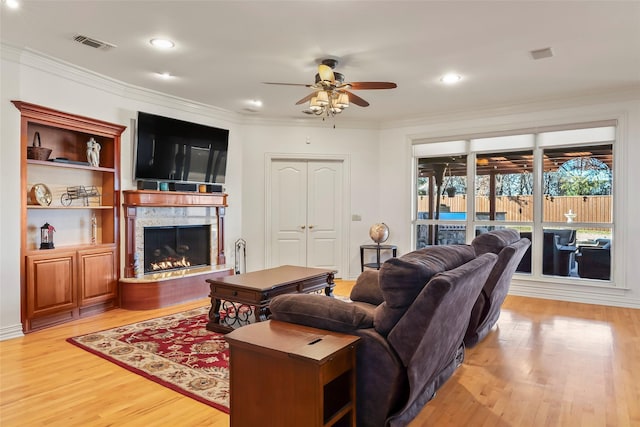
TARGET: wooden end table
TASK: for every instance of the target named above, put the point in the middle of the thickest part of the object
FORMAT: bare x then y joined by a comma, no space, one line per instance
250,293
283,374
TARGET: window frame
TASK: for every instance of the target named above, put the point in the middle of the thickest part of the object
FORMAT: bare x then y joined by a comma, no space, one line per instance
421,150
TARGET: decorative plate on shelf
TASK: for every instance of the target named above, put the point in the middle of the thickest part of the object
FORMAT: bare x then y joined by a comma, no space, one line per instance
41,194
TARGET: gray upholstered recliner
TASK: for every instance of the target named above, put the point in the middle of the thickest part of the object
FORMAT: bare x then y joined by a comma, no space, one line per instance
411,318
510,248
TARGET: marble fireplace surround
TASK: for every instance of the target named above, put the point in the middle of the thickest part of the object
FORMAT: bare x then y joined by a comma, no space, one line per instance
171,217
149,208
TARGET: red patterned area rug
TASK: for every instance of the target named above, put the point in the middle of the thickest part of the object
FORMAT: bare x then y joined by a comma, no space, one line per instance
176,351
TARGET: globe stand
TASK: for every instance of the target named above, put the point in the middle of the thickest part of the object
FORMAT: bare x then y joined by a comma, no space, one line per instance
378,248
378,255
379,233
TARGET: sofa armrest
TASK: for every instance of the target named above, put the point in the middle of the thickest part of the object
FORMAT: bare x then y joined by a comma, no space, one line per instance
320,311
367,288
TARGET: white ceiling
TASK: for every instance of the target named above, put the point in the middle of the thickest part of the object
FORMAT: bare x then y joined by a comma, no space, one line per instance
226,49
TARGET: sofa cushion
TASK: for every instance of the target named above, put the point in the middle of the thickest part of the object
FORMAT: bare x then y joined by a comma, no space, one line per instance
494,241
320,311
367,288
402,279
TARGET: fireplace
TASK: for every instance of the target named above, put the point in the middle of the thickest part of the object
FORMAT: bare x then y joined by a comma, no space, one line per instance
176,247
156,233
190,226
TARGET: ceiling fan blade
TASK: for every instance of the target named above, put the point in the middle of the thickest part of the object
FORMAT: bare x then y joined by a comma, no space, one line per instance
326,73
372,85
356,99
287,84
306,98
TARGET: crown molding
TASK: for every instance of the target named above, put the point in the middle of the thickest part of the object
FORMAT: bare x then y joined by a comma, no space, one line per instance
62,69
9,52
618,94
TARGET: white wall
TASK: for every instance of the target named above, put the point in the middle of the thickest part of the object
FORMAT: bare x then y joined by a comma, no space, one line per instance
395,148
9,201
360,146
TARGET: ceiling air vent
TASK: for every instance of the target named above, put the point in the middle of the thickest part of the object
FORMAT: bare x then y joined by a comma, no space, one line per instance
94,43
541,53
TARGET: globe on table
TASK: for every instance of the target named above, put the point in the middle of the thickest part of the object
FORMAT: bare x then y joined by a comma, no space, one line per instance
379,233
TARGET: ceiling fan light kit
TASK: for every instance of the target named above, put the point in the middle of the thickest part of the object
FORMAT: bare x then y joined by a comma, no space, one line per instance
328,103
332,94
322,98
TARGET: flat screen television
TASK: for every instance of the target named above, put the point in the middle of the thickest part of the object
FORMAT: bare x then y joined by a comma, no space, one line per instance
173,150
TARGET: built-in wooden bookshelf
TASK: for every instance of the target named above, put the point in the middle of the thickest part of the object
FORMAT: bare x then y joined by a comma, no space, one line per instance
79,276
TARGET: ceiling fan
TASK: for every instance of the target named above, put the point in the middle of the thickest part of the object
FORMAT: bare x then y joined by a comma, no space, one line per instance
331,94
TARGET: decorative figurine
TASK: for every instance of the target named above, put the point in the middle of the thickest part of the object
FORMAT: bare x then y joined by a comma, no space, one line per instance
46,236
94,229
93,152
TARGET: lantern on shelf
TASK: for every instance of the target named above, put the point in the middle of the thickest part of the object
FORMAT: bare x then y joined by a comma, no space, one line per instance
46,236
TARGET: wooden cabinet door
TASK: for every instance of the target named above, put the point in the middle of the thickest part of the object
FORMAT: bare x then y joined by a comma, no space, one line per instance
97,277
51,286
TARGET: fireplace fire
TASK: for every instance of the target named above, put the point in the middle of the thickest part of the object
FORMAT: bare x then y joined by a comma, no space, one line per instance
176,247
170,265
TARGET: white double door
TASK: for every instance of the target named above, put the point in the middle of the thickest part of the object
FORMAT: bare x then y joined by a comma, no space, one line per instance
306,213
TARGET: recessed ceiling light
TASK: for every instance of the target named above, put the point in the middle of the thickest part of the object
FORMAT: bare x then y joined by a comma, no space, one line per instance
162,43
165,76
12,4
255,103
451,78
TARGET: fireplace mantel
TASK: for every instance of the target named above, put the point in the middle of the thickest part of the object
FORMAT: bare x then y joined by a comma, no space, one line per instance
152,198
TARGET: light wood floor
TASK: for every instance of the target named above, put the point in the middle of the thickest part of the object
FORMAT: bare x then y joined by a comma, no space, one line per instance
547,363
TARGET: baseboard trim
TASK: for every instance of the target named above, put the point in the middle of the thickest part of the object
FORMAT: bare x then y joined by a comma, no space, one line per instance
9,332
613,297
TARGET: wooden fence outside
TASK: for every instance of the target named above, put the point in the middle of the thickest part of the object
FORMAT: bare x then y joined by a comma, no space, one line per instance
589,209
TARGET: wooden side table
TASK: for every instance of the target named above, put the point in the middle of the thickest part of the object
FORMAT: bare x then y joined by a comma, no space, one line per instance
376,248
283,374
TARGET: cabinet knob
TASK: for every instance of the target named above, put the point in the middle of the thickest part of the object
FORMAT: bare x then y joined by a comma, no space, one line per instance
310,227
302,227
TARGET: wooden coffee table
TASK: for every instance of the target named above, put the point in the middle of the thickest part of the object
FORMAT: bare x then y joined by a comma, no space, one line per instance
244,295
